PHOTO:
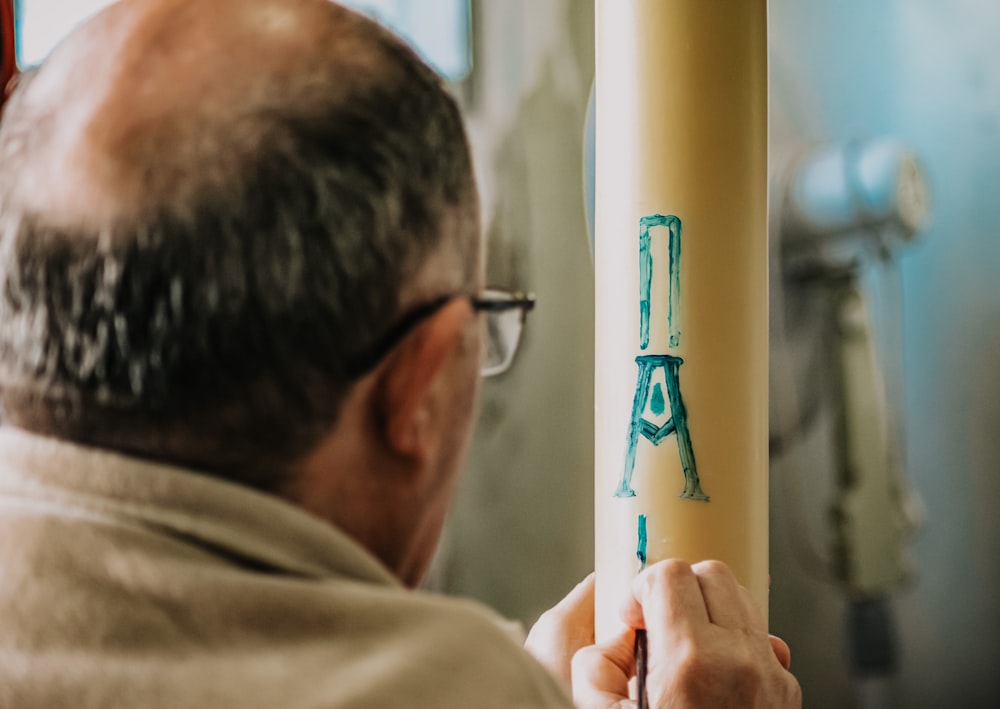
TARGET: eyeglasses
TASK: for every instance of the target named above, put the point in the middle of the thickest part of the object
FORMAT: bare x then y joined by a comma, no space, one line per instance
505,313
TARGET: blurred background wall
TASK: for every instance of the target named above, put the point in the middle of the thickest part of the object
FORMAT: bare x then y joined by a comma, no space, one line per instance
521,533
924,71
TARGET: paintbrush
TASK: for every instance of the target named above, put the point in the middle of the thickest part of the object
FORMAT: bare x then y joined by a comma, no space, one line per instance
641,646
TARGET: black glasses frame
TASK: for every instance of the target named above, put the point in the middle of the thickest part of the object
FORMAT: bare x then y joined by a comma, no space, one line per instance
491,300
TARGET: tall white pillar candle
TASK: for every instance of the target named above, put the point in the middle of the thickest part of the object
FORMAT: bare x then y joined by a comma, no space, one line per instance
681,310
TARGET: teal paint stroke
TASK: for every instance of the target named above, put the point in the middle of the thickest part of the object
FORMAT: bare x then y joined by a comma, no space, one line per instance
640,548
673,226
657,404
677,425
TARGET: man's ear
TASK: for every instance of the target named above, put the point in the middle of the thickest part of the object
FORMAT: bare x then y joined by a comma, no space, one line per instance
409,375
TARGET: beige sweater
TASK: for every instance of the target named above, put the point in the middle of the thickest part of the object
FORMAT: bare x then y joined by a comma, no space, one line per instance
125,583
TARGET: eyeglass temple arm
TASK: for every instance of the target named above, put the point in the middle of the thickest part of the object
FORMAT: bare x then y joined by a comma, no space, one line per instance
525,301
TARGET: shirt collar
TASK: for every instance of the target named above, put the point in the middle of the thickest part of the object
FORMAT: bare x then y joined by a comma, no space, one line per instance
235,520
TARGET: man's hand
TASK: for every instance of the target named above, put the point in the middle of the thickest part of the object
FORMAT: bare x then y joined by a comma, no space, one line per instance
708,646
564,630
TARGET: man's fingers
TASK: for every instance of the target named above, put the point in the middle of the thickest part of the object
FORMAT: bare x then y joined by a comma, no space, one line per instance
781,651
601,673
723,598
564,629
667,597
616,656
708,642
705,591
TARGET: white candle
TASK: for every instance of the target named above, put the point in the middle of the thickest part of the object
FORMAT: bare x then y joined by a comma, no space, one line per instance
681,268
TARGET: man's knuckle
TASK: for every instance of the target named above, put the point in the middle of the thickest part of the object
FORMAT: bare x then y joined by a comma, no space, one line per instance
713,567
668,573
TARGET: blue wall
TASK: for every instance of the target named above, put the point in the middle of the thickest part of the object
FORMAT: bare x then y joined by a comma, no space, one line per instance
928,72
948,104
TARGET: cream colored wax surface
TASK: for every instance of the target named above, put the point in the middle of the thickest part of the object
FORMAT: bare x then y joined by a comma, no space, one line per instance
682,132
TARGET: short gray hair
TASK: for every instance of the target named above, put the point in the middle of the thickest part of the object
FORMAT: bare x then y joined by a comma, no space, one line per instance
217,331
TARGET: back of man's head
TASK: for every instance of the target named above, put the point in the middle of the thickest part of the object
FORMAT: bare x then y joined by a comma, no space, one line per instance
209,213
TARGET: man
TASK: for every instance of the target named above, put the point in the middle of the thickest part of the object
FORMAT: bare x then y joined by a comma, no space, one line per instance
241,328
